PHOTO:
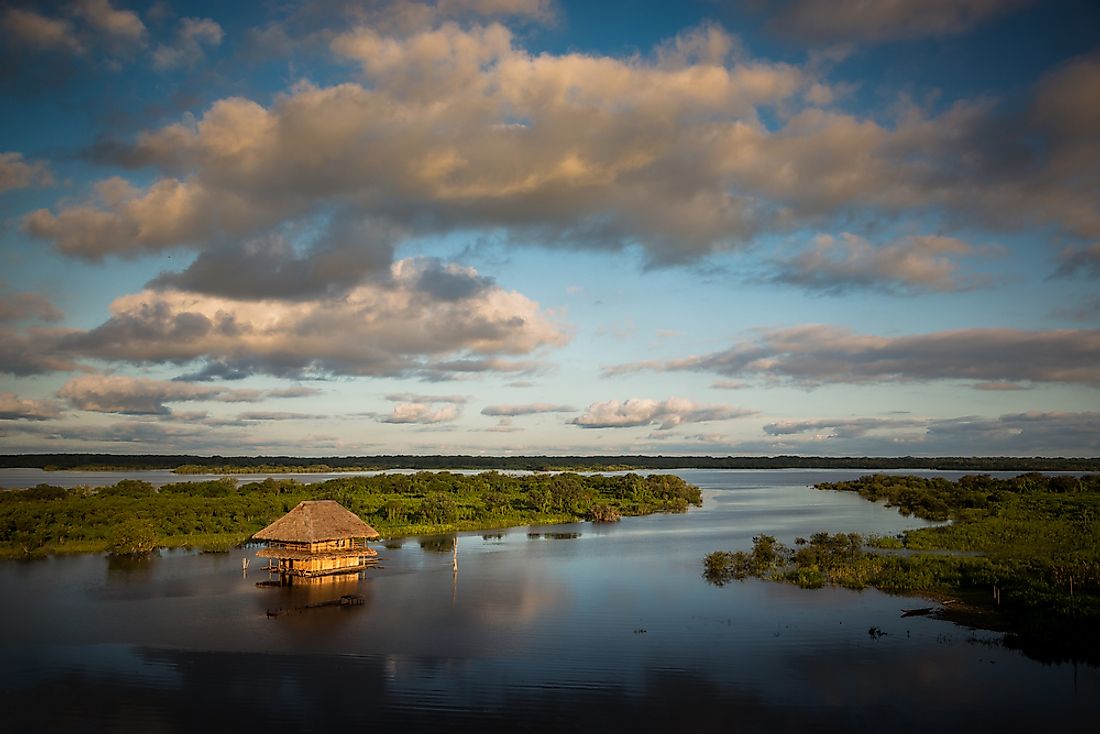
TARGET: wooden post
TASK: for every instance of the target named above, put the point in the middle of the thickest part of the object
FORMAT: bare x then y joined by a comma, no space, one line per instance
454,560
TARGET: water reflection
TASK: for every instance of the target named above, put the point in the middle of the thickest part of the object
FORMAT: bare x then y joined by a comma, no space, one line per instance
539,635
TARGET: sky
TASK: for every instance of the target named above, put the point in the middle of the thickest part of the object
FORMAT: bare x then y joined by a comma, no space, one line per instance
550,227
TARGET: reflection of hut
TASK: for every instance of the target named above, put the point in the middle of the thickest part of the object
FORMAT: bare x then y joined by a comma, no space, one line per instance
317,538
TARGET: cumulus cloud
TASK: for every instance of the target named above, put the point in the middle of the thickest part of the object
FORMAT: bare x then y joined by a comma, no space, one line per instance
817,354
26,306
911,264
456,127
666,414
17,173
12,408
383,329
527,409
460,127
141,395
859,20
187,48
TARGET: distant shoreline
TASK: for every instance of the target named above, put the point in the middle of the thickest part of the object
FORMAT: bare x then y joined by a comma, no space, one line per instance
191,464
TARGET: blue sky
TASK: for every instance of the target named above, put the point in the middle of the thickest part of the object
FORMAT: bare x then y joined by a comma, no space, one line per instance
546,227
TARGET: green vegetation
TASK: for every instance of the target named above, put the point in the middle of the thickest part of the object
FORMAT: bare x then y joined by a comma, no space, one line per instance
133,517
269,464
1022,555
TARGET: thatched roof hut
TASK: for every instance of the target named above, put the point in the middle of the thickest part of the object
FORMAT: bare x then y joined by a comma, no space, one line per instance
317,538
315,521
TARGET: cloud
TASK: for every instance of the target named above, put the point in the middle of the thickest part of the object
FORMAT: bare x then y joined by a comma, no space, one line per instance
840,428
30,29
1034,433
385,329
644,412
16,173
504,425
12,408
408,397
142,396
294,391
527,409
455,128
254,416
817,354
848,262
270,267
192,35
422,413
1001,386
34,351
120,25
1080,260
728,385
694,149
20,306
862,21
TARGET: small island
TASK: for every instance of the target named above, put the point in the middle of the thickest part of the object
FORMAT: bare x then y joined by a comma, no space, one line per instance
133,516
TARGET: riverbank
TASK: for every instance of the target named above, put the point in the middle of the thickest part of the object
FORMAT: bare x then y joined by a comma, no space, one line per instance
1028,563
132,516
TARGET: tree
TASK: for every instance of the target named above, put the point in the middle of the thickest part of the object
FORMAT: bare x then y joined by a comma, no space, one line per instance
132,538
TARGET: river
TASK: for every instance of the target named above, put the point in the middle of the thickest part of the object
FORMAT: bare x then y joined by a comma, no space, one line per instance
571,627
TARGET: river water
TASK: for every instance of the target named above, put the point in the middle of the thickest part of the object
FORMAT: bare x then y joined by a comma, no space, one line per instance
576,627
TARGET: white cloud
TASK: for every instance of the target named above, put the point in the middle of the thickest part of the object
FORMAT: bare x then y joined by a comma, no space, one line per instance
667,414
392,327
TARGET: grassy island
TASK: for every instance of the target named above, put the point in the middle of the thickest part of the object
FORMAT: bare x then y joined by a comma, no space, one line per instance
133,516
1019,555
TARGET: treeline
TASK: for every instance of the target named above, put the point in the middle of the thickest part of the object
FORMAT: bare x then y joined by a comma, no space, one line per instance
133,516
1026,550
225,464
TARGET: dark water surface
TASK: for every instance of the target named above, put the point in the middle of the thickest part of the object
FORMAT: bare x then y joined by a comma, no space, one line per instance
569,627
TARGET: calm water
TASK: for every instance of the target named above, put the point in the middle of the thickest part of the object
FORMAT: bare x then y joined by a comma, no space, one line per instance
580,627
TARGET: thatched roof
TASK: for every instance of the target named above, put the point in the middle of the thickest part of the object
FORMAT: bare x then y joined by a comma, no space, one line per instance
313,521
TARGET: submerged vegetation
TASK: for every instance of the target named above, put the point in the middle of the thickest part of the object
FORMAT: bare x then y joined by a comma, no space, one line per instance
1021,555
133,516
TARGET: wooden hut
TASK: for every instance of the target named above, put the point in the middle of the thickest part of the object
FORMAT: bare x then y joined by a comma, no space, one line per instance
317,538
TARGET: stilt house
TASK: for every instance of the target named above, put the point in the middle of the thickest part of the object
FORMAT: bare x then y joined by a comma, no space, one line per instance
317,538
